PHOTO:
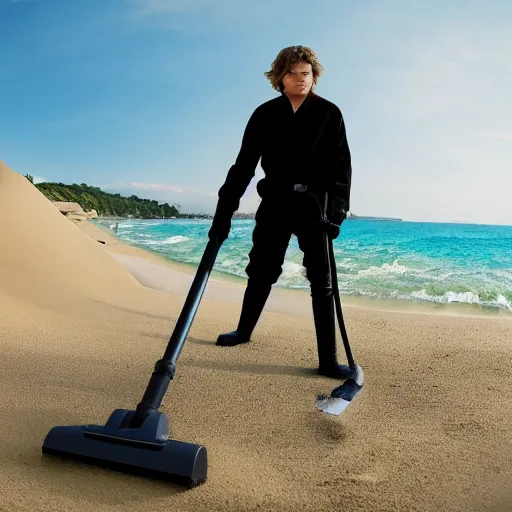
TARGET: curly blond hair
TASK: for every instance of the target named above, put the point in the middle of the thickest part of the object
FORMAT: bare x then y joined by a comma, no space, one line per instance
288,57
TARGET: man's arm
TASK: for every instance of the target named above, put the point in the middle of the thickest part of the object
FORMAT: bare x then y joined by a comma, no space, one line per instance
340,192
241,173
239,176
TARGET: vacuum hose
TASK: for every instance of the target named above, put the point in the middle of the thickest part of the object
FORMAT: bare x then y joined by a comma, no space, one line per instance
334,282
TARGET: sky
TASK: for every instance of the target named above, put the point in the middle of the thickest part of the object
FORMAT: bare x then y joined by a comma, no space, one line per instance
151,97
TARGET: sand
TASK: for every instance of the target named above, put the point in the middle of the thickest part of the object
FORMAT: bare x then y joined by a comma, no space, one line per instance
80,334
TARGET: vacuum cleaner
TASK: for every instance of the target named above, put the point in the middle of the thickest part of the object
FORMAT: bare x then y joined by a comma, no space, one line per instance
137,441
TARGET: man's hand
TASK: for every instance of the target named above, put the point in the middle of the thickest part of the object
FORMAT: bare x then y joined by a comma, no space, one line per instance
221,224
332,226
338,209
220,229
332,230
338,216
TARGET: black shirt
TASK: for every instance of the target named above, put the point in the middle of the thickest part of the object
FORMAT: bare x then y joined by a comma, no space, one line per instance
308,146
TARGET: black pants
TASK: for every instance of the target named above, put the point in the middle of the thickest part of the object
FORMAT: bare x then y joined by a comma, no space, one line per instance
276,220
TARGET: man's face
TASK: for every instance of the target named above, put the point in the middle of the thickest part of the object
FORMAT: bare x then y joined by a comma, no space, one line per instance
299,80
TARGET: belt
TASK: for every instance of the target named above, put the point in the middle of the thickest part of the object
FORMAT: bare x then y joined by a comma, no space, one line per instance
266,187
313,189
300,187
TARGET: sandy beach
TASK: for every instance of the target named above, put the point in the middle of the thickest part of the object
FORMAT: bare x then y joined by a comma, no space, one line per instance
82,324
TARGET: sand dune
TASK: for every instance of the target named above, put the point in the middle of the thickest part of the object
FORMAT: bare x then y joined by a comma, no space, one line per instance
39,243
79,336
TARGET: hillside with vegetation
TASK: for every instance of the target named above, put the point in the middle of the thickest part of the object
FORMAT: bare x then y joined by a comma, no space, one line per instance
105,203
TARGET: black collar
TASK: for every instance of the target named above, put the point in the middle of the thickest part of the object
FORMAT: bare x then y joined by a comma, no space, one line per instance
288,104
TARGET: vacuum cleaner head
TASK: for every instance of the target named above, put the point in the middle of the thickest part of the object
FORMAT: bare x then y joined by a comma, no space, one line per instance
342,396
144,451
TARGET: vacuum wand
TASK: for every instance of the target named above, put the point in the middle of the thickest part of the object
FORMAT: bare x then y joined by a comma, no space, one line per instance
137,441
165,368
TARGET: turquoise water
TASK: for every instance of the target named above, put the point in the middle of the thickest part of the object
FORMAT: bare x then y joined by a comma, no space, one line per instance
426,262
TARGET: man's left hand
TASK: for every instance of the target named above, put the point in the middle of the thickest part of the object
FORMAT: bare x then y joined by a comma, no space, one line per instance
332,230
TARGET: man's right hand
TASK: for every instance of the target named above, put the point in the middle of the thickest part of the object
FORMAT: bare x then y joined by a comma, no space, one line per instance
221,224
220,229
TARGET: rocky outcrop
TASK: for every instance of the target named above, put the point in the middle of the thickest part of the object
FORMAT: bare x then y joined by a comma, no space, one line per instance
74,212
66,208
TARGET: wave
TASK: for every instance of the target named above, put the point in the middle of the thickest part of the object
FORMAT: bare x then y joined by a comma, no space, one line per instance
385,269
450,297
176,239
421,270
346,263
167,241
503,274
293,273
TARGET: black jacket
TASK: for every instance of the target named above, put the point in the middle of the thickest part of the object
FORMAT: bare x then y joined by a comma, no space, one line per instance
308,146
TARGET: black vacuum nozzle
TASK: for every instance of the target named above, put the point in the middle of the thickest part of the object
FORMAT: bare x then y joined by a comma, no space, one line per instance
144,451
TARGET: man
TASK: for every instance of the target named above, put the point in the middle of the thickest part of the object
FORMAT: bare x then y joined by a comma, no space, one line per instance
301,140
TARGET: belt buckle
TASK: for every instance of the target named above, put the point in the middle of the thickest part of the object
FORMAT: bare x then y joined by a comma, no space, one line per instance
299,187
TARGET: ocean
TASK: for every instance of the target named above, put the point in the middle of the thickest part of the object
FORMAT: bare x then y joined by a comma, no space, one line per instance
412,261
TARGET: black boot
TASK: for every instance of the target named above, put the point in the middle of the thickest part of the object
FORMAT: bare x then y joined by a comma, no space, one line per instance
255,297
323,314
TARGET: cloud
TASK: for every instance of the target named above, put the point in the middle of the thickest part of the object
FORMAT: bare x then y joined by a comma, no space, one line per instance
137,185
150,7
38,179
159,187
165,192
191,199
